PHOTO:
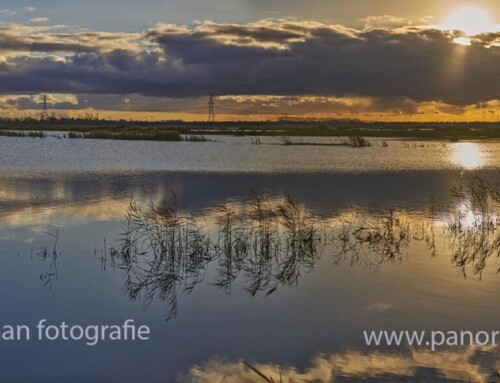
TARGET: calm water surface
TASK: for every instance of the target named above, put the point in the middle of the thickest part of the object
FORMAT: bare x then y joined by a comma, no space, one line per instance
377,241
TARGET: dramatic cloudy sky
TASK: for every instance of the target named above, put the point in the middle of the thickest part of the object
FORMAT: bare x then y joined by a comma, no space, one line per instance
370,59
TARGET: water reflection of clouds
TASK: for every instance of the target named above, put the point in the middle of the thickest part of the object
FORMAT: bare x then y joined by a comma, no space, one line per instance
324,192
66,214
358,236
272,242
469,364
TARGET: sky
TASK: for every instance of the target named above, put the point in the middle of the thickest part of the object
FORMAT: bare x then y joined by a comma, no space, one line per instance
391,60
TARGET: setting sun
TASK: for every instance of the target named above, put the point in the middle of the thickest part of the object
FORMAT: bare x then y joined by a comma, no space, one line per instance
470,20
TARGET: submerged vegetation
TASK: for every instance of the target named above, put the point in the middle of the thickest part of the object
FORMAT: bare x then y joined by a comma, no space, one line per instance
165,250
271,241
357,142
50,257
352,141
129,134
196,138
372,240
14,133
267,242
474,228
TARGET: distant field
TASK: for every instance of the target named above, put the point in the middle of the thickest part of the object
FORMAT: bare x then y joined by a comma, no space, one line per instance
195,131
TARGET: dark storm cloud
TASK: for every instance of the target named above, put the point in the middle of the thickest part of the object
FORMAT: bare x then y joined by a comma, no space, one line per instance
270,57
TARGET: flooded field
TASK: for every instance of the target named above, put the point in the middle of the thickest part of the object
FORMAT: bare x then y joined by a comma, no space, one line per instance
249,259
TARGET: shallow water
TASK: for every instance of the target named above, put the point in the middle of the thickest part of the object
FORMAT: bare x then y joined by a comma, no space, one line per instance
237,155
310,326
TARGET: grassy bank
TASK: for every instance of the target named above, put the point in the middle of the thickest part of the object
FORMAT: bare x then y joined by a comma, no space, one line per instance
352,141
140,135
13,133
197,131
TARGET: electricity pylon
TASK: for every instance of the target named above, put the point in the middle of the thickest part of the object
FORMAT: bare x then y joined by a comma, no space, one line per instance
211,109
45,112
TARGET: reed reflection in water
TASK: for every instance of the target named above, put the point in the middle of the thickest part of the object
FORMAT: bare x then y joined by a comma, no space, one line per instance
474,227
165,250
270,241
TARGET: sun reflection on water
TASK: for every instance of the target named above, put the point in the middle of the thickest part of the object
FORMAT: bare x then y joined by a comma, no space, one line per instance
467,155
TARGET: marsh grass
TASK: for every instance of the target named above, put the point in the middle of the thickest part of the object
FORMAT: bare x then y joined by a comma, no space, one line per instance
356,142
162,250
129,134
372,240
196,138
106,256
139,135
255,140
268,242
51,257
351,141
30,134
284,140
165,251
474,227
